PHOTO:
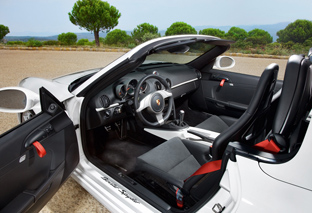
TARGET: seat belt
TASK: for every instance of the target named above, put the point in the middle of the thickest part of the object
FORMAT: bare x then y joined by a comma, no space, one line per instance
268,146
208,167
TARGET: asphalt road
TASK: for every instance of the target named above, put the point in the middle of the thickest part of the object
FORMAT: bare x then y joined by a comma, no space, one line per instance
18,64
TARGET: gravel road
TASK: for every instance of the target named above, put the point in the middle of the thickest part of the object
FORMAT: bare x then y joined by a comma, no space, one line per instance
18,64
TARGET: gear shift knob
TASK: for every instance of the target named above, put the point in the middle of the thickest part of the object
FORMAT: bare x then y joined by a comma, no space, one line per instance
181,115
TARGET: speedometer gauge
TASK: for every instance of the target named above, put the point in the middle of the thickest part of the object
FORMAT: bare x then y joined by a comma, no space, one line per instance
131,87
121,91
130,90
143,87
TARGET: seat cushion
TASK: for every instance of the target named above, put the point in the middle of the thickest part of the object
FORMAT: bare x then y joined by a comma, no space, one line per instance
170,160
213,123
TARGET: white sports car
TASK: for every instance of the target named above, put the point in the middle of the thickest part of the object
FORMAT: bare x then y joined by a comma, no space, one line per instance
163,129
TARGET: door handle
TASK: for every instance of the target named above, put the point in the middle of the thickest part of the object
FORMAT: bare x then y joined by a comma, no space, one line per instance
220,78
39,135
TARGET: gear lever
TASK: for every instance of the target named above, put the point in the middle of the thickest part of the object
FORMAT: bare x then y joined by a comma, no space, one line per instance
181,116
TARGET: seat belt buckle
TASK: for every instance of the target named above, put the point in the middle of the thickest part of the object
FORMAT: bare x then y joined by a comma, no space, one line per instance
179,198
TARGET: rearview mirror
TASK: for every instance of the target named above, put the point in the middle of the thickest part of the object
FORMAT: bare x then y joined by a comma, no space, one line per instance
17,99
310,54
224,62
179,49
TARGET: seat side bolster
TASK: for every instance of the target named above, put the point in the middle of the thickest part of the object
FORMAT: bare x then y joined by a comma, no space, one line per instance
146,167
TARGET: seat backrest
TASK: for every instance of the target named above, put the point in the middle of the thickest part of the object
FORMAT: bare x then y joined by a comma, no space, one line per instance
294,100
257,109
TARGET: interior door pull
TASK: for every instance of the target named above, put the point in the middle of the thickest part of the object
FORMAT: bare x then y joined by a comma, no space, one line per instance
222,82
39,135
40,149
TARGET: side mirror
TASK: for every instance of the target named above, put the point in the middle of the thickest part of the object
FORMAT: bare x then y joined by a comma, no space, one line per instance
17,99
224,62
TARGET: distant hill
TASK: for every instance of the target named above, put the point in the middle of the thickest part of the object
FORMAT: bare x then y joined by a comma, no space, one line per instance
270,28
54,37
87,35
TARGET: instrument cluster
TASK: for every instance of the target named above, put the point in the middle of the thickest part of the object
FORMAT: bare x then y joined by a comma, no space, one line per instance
123,90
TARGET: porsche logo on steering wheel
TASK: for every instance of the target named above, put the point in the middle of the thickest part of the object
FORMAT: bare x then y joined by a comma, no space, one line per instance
158,102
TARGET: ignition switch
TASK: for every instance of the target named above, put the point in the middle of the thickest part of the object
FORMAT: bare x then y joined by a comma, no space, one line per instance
117,110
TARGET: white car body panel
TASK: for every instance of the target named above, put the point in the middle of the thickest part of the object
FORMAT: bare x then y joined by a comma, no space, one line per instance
60,91
246,188
264,192
296,171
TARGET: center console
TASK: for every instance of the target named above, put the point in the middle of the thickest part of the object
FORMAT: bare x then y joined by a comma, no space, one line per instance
178,128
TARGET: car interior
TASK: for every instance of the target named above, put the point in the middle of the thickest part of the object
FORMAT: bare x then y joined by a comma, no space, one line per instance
160,121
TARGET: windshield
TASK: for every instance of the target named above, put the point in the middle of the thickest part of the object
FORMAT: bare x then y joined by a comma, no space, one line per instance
181,54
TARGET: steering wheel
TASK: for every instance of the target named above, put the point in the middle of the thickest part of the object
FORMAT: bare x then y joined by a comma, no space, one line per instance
154,102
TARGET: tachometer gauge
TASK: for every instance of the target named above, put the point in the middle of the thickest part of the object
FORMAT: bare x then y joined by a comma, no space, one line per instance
121,91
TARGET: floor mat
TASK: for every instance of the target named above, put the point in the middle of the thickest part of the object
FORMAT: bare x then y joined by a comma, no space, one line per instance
122,154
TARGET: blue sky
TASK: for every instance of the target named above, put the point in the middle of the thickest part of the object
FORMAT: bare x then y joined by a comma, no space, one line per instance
50,17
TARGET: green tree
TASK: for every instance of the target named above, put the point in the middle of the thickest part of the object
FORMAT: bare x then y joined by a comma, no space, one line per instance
94,16
236,34
3,31
149,36
297,32
33,43
117,37
143,29
213,32
179,28
258,36
67,38
83,41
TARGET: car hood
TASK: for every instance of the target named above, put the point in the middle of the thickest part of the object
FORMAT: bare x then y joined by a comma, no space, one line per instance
57,86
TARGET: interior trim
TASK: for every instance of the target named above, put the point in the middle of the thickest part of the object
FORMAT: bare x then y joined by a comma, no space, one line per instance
183,83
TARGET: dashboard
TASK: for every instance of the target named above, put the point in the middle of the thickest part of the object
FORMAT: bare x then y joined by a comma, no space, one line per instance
116,101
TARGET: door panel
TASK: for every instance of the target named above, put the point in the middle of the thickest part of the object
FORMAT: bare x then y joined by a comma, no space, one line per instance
27,180
230,97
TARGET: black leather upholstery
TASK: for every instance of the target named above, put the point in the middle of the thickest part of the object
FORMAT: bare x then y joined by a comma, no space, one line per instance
254,116
294,101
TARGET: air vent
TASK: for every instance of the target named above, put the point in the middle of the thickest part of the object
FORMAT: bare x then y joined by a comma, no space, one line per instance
168,82
157,85
105,101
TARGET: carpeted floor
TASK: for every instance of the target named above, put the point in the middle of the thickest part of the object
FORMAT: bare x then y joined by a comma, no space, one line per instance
122,154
